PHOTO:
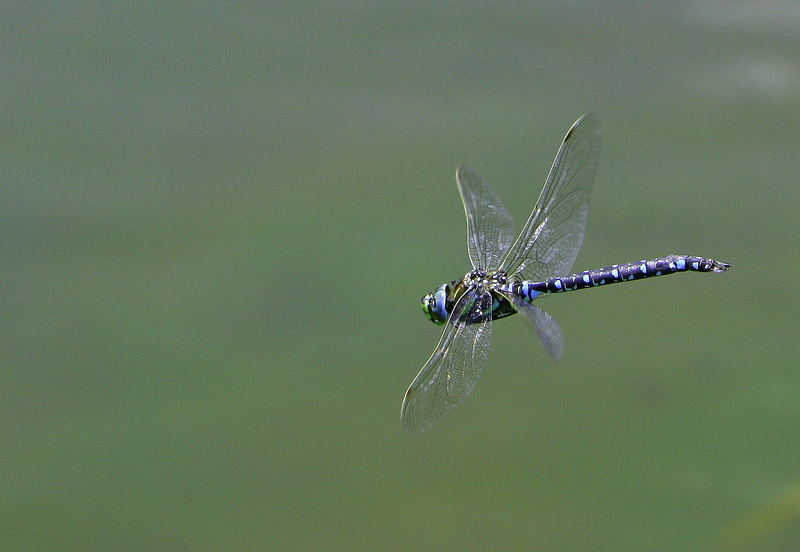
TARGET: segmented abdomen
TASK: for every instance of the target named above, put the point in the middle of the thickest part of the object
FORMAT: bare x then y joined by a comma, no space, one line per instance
619,273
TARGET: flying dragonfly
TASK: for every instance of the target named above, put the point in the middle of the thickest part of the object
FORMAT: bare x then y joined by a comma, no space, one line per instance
507,277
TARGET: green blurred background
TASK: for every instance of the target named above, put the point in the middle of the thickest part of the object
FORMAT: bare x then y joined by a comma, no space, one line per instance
218,219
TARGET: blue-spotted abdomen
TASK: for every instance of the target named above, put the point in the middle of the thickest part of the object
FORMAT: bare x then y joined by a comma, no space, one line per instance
638,270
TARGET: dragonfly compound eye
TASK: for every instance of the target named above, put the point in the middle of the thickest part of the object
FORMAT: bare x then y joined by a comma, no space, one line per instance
434,305
426,304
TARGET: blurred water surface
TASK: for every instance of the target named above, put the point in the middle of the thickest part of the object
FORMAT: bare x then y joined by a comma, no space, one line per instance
218,219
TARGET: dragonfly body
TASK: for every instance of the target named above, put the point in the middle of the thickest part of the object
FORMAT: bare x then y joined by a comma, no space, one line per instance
439,305
506,278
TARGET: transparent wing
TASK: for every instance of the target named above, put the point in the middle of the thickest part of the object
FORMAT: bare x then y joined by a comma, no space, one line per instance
542,323
549,243
455,365
489,226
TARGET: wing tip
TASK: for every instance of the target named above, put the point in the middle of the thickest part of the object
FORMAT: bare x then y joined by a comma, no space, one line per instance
407,420
462,171
411,426
585,120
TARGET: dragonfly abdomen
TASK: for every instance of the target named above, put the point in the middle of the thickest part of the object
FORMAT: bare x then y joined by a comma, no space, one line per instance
619,273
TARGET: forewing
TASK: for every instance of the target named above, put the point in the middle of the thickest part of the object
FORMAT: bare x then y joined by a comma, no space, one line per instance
551,238
455,365
489,226
542,323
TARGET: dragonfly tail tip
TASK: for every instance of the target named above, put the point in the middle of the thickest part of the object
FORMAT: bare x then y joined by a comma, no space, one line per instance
719,266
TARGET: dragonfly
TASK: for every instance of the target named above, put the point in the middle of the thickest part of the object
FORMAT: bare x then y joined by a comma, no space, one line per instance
507,277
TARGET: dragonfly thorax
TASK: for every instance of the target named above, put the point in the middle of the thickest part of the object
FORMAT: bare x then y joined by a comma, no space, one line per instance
438,304
488,280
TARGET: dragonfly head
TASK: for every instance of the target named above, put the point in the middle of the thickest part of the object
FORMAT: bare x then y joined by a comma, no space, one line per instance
434,305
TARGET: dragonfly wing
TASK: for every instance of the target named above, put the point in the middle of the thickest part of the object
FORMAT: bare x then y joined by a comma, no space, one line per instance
455,365
551,238
542,323
489,226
